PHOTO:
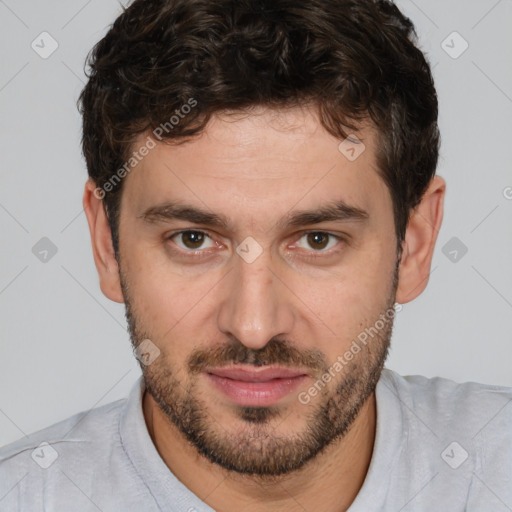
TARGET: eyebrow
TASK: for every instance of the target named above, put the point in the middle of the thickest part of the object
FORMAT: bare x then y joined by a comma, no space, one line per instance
334,211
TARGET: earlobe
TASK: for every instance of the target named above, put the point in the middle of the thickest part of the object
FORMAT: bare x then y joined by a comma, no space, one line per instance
102,247
419,244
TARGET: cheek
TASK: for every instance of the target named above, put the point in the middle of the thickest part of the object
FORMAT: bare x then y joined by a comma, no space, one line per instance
168,305
355,295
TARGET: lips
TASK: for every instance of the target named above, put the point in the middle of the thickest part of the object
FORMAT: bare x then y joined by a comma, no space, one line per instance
261,386
257,374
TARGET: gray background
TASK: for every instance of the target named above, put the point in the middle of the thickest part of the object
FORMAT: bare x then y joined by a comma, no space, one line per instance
64,347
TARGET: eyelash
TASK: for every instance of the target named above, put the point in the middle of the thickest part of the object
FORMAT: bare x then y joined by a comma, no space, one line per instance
313,254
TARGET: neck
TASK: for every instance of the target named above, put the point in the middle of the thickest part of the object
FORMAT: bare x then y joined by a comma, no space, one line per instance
336,474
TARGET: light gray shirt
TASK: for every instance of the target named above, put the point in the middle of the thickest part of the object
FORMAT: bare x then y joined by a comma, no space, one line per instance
440,446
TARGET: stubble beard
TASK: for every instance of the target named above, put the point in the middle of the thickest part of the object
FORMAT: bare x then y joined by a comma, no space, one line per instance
255,447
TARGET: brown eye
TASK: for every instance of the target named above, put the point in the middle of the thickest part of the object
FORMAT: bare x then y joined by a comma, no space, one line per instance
318,240
192,240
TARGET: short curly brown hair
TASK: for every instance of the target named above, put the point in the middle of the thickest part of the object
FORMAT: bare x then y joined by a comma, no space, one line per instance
354,60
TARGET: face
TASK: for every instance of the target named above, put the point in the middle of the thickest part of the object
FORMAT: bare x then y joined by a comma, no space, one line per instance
261,263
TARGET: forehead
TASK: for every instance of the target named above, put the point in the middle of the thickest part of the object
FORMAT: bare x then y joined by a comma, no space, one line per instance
266,161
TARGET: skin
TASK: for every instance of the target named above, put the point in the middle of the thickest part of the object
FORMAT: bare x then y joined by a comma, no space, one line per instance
286,299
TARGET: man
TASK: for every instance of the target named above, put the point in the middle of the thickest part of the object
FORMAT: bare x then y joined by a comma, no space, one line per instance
262,196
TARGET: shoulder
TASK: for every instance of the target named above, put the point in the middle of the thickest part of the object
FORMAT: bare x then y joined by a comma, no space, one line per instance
449,398
445,416
455,438
84,428
84,440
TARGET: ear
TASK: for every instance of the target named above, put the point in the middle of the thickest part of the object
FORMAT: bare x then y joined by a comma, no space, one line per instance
102,247
420,239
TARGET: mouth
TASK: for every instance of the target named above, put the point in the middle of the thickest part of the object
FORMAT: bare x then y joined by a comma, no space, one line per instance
255,386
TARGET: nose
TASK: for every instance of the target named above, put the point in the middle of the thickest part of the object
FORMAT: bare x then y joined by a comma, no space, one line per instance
256,304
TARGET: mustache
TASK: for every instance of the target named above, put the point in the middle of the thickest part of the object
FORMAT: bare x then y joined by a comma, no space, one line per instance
277,352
